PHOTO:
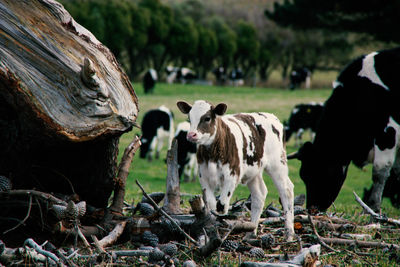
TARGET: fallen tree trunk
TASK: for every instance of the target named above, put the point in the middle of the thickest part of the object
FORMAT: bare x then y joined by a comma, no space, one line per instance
64,103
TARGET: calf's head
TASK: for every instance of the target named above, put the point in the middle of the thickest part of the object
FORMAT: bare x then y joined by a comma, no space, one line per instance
202,117
323,176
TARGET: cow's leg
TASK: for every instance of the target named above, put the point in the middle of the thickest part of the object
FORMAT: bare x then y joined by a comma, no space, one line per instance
258,192
383,162
279,175
152,148
227,188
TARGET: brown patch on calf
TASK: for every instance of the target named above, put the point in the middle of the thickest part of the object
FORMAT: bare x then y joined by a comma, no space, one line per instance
257,139
223,149
207,127
275,131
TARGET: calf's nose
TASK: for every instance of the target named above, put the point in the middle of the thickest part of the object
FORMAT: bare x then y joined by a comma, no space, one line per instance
191,136
220,207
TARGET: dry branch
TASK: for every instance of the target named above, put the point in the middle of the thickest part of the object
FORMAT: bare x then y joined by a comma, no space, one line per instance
113,236
357,243
42,195
172,195
123,172
376,216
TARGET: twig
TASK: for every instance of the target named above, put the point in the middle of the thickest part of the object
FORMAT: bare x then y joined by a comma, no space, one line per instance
24,220
318,237
166,214
80,234
113,236
31,243
123,172
45,196
375,215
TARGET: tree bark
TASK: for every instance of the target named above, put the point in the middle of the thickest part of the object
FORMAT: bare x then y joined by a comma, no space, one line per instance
172,196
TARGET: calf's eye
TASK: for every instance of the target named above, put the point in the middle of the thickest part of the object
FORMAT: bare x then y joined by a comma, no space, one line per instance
207,119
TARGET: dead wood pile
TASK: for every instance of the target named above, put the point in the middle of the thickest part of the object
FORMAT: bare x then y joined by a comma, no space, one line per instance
146,234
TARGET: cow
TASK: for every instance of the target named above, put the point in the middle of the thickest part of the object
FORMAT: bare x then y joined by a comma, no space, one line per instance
182,75
359,124
220,75
236,76
187,163
233,149
149,80
157,127
298,76
303,117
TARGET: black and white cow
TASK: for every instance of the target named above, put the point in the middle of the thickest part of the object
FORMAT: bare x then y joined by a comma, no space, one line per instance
182,75
187,163
298,76
234,149
360,123
157,128
149,80
236,76
303,117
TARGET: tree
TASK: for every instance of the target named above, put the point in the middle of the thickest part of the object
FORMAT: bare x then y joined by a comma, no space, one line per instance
227,44
207,50
247,47
373,17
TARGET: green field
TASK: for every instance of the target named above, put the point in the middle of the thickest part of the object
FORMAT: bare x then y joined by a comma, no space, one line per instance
239,99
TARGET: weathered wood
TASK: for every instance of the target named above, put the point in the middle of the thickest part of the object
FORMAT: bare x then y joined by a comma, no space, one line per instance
123,172
172,198
113,236
64,103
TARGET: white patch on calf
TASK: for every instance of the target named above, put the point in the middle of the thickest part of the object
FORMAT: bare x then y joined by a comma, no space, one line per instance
368,70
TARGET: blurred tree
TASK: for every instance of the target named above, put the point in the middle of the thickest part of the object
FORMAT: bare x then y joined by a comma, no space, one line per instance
183,40
161,19
375,17
248,47
207,51
227,44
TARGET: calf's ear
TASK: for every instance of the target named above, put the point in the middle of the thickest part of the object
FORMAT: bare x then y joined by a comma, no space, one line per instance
184,107
220,109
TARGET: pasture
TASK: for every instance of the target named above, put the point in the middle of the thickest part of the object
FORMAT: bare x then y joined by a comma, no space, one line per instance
239,99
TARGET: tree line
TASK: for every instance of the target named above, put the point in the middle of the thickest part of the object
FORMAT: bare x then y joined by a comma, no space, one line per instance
150,33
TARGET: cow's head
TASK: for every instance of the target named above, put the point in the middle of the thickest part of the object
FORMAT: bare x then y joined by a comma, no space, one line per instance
322,175
202,117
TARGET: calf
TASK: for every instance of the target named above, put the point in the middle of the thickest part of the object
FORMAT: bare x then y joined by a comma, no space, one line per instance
157,127
233,149
303,117
187,164
359,124
149,80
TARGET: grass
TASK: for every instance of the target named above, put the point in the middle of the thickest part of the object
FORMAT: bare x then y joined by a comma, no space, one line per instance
244,99
239,99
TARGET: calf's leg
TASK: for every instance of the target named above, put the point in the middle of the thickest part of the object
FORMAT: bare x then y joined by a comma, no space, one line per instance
227,189
258,192
279,175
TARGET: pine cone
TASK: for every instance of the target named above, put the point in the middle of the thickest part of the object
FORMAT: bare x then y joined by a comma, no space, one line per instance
299,200
170,226
60,211
267,240
81,208
257,252
145,209
156,255
169,249
72,210
150,239
230,245
5,184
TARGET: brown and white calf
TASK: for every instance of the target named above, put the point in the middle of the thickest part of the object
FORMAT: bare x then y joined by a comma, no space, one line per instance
233,149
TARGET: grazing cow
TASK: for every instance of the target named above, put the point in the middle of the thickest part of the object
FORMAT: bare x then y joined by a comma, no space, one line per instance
182,75
303,117
236,76
157,127
233,149
187,164
360,123
220,75
298,76
149,80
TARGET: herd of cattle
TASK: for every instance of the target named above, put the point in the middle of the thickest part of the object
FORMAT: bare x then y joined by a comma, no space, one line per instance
359,123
